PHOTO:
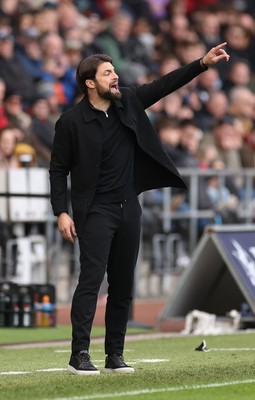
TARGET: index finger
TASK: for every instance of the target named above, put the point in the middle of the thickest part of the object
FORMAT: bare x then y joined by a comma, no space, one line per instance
220,45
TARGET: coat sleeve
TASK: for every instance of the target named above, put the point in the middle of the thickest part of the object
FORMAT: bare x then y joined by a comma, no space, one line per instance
150,93
60,165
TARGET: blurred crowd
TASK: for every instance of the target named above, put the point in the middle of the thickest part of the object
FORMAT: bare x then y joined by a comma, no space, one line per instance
209,123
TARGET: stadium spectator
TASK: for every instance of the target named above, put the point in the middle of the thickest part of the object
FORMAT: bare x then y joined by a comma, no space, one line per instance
170,134
116,41
212,110
207,153
167,62
174,107
55,65
28,50
12,70
46,18
208,26
26,155
42,131
224,203
8,142
240,43
239,74
190,141
14,153
242,106
46,90
17,117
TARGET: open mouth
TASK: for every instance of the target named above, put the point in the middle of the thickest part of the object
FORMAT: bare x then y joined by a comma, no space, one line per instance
115,87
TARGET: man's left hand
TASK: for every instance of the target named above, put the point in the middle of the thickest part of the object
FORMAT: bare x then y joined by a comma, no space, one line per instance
215,54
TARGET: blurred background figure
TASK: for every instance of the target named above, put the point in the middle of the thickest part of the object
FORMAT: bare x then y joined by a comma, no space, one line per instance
42,130
14,110
26,155
128,55
8,141
12,70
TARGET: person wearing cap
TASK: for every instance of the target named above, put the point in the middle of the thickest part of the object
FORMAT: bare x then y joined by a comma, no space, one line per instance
110,148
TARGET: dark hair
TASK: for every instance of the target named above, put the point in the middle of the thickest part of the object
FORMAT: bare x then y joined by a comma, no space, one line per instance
87,69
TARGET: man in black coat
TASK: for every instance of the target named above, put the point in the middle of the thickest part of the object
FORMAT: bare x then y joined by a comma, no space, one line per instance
112,152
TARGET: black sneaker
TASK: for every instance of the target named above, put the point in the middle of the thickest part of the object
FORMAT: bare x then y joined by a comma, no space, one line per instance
116,363
80,364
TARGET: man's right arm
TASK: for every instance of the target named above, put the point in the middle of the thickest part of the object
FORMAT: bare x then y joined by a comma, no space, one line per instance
60,166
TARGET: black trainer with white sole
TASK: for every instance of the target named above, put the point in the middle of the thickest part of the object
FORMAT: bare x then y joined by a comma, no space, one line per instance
116,363
80,364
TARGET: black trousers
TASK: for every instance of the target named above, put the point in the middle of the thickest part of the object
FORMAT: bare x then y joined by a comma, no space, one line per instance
110,242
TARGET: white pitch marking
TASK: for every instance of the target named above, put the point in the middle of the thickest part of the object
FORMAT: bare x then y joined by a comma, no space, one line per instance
234,349
50,370
152,391
15,372
62,351
31,372
154,360
94,351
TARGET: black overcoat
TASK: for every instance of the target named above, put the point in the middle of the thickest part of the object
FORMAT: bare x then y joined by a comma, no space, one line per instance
78,141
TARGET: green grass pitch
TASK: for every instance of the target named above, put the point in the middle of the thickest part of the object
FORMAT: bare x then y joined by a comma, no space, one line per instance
165,368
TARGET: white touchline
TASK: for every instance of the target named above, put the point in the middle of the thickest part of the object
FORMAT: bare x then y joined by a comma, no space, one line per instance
50,370
153,360
15,372
152,391
234,349
94,351
156,360
31,372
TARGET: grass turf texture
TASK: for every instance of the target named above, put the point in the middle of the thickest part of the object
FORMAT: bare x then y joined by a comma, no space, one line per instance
25,335
166,379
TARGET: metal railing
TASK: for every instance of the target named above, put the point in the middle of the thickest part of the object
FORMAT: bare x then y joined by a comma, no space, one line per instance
245,210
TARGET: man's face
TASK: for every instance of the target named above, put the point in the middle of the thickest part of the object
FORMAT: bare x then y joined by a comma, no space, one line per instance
106,82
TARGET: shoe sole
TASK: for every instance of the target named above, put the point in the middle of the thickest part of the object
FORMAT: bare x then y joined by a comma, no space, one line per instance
124,370
79,372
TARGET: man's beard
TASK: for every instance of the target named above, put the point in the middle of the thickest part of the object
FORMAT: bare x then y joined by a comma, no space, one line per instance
107,94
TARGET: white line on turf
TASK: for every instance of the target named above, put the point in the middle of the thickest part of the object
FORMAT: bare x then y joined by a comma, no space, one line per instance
64,369
234,349
94,351
211,349
50,370
153,391
31,372
15,372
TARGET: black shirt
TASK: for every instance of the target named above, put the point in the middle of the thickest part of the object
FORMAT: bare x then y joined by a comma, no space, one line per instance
116,178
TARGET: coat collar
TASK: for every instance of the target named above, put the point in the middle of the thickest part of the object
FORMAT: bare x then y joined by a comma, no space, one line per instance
86,110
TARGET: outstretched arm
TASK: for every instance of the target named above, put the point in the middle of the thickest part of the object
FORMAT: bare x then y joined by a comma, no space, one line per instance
151,92
214,55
